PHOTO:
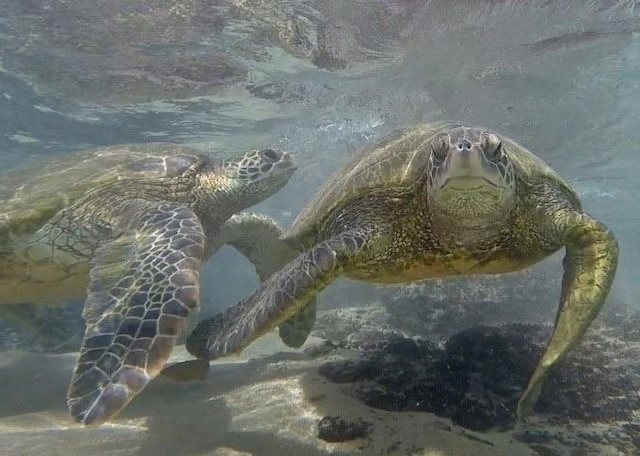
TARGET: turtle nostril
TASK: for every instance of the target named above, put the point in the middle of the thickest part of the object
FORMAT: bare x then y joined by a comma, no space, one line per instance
464,144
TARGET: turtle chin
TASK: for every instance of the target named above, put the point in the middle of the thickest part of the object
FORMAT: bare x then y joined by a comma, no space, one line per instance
475,200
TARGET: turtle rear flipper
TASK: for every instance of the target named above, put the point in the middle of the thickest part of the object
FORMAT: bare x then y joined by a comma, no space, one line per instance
258,238
277,299
143,286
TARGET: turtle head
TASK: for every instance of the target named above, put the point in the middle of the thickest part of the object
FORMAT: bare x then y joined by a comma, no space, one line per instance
471,177
260,167
256,174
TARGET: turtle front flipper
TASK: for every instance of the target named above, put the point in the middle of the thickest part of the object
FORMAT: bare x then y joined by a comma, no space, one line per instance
589,268
277,299
257,237
143,285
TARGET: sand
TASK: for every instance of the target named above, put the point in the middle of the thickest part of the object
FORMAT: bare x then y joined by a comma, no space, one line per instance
267,402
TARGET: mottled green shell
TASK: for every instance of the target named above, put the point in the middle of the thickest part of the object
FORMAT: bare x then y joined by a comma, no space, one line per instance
32,194
399,161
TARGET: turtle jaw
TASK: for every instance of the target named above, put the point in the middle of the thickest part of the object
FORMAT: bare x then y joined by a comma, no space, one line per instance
472,192
286,163
468,187
470,184
472,201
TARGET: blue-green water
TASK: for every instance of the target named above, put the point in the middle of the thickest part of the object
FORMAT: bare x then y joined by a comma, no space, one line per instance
560,77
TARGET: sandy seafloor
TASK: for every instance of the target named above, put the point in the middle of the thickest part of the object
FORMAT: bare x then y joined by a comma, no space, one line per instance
270,400
268,406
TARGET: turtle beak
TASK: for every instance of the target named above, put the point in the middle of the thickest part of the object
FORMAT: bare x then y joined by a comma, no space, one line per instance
286,162
465,170
469,170
466,163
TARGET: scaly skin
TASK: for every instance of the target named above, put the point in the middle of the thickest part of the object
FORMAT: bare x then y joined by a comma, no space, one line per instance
507,211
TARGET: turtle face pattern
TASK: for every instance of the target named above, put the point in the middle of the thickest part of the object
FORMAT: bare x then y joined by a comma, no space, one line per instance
238,183
470,175
260,170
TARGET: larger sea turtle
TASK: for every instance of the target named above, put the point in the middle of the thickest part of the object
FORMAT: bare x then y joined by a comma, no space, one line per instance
433,200
127,227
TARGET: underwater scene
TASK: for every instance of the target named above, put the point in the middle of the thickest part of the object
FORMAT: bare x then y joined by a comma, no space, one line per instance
305,227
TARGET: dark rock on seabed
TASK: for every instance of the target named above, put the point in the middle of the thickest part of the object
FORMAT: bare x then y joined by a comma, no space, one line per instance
476,377
337,429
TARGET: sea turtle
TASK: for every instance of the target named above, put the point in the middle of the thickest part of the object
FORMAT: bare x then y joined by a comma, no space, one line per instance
127,227
433,200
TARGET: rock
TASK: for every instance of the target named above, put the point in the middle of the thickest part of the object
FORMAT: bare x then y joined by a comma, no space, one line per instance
476,378
337,429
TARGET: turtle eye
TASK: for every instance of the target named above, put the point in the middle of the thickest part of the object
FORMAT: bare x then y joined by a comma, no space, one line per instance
270,154
491,146
440,147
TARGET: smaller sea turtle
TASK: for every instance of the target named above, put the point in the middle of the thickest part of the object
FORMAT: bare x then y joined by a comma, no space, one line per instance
127,227
433,200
